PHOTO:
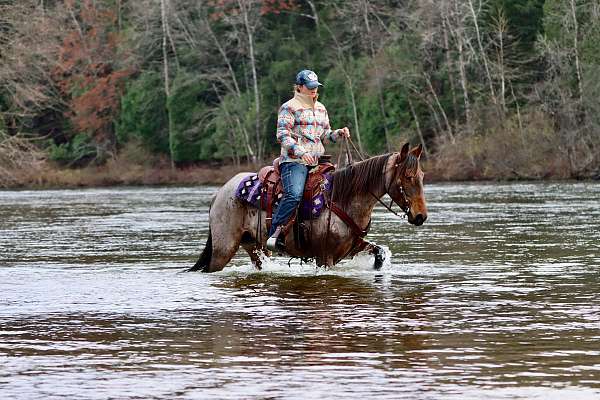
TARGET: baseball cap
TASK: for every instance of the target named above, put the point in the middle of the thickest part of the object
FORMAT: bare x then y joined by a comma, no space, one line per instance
308,78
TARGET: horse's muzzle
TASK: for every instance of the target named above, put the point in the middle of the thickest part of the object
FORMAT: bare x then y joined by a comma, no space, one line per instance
417,219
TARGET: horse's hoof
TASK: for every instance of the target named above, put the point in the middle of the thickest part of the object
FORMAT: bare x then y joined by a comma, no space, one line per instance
378,263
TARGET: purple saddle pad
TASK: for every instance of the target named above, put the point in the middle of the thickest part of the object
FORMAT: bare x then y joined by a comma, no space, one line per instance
250,190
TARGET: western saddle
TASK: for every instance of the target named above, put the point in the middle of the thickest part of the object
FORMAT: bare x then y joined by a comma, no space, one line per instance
272,187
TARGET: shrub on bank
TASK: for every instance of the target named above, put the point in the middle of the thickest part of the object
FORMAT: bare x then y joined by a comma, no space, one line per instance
23,164
525,148
78,152
20,160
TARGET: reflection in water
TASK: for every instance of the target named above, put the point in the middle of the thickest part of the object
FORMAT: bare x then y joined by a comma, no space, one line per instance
496,296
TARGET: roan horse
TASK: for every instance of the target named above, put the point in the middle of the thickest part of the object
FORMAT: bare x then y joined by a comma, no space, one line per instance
356,190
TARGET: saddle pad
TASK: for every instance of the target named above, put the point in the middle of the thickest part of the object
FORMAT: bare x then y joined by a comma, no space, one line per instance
250,190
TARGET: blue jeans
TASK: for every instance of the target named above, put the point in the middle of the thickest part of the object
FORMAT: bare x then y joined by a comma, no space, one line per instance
293,177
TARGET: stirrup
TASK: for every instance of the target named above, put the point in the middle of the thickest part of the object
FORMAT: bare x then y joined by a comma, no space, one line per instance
275,243
272,244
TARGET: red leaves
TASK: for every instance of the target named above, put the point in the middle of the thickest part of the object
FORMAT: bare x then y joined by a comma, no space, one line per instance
89,74
276,6
94,110
224,8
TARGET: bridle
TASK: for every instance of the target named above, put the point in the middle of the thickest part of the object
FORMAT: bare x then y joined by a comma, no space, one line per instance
405,206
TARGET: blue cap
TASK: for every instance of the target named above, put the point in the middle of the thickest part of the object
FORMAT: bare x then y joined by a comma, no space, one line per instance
308,78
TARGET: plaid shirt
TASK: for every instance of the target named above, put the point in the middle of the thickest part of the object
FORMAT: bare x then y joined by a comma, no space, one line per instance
302,126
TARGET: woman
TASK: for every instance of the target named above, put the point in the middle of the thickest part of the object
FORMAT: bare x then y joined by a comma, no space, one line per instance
302,126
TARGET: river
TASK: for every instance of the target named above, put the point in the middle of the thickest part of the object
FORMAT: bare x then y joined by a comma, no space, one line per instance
496,296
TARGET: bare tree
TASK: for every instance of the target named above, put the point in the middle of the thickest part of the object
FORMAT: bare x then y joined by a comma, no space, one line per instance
243,18
342,63
442,27
251,20
19,155
439,106
378,78
449,65
482,51
195,31
500,24
576,50
167,83
455,20
506,61
418,125
30,46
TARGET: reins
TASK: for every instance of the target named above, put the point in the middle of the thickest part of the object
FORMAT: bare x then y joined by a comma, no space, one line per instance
404,207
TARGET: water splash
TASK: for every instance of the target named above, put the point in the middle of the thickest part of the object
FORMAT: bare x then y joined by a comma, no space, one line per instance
364,261
360,264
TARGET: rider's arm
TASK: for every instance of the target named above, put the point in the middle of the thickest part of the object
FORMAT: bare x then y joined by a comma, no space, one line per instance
285,126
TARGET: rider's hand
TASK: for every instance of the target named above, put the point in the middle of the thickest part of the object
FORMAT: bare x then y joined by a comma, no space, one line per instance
345,132
309,159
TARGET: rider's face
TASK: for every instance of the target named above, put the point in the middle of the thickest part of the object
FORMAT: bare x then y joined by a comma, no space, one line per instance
309,92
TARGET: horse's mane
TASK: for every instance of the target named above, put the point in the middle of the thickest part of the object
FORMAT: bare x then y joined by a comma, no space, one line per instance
361,177
367,176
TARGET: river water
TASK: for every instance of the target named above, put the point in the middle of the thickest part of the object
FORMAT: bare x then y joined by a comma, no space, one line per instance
497,296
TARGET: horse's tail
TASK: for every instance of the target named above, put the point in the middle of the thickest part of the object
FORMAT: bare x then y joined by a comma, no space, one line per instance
203,262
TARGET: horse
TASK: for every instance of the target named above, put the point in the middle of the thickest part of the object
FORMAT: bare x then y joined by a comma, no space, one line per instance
333,235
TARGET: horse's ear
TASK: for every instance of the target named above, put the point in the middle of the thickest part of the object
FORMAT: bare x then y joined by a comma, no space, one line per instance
417,151
404,151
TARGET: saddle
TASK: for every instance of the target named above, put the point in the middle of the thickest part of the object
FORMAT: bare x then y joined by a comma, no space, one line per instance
270,180
272,187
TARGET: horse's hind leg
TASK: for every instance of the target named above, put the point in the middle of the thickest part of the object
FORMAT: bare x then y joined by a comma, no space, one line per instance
227,218
253,250
225,243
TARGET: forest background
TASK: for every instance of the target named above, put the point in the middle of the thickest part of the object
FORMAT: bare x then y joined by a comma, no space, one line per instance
96,92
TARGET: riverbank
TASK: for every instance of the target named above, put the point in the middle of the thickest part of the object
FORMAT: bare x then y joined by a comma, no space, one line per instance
117,173
24,166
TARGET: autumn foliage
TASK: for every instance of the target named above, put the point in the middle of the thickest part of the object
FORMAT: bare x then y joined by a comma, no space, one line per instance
91,72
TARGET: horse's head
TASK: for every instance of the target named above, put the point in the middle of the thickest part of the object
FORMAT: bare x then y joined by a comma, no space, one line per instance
405,184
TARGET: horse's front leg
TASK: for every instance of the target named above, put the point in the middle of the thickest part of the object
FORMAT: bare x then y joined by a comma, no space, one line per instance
325,260
254,251
371,248
379,254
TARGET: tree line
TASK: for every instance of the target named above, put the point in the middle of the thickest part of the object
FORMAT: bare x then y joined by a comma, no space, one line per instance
490,88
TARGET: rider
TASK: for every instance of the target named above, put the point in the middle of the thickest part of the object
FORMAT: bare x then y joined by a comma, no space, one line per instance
302,125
